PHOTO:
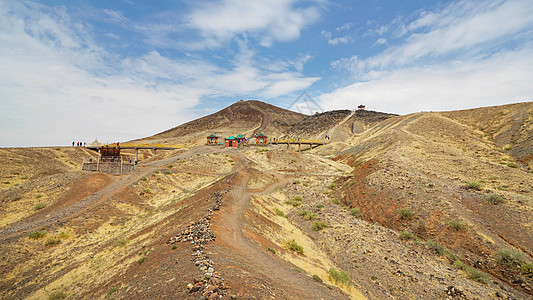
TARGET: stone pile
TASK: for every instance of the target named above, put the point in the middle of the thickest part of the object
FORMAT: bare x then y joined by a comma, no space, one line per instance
211,285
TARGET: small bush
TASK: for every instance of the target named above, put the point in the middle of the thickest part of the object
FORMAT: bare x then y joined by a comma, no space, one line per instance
144,179
171,166
17,197
319,205
356,212
509,257
39,205
141,260
494,199
339,277
473,186
272,250
437,248
305,184
405,214
456,225
317,278
527,268
168,172
308,215
336,201
57,295
174,247
420,225
297,198
512,165
63,235
319,225
278,212
123,242
293,245
407,235
293,203
472,272
110,292
37,234
51,241
39,196
147,191
332,186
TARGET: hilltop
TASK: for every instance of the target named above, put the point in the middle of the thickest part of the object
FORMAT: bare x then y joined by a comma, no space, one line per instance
431,204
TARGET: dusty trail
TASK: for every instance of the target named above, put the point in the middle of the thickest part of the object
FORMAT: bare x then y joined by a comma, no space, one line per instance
234,241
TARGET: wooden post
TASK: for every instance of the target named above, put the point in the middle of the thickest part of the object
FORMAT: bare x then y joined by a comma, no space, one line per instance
154,151
299,146
136,154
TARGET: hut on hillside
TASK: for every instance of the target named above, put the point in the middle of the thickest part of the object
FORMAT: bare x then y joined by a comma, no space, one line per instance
240,138
212,139
261,139
361,107
231,142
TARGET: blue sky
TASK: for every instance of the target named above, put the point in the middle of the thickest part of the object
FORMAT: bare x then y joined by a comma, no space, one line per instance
120,70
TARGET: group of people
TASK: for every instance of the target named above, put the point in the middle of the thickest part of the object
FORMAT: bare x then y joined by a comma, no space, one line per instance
79,144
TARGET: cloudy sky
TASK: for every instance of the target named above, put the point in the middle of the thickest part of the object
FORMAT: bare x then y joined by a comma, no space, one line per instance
120,70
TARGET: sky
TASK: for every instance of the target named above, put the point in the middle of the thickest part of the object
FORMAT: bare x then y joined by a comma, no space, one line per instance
120,70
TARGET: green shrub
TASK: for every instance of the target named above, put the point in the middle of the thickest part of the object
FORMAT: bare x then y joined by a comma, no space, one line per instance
527,267
356,212
63,235
509,257
110,292
494,199
420,225
39,196
174,247
332,186
473,186
57,295
336,201
319,225
317,278
272,250
456,225
171,166
141,260
51,241
147,191
168,172
15,198
339,277
144,179
305,184
437,248
407,235
405,214
293,245
123,242
278,212
37,234
293,203
39,205
297,198
308,215
319,205
472,272
512,165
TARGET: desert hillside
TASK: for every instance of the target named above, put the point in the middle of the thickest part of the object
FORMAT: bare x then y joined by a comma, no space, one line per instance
433,205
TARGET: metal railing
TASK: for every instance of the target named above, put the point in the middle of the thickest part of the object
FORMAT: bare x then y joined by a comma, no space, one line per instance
297,141
143,145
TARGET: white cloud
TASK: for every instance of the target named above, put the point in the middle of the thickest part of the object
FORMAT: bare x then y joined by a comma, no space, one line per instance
381,41
339,41
58,85
461,56
345,26
269,21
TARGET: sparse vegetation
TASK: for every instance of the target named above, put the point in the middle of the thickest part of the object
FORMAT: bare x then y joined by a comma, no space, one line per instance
319,225
123,242
51,241
472,185
456,225
63,235
297,198
332,186
147,191
336,201
439,249
110,292
308,215
472,272
144,179
317,278
356,212
293,245
39,196
319,205
420,225
294,203
141,260
39,205
272,250
56,295
279,212
494,199
408,235
512,165
339,277
527,268
37,234
510,257
174,247
405,214
15,198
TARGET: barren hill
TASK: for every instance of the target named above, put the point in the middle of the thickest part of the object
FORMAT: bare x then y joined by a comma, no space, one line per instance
242,117
426,205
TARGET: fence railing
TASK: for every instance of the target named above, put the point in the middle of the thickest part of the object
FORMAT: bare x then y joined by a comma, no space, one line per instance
143,145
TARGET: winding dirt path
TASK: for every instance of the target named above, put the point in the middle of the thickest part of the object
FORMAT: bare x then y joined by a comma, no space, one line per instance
242,260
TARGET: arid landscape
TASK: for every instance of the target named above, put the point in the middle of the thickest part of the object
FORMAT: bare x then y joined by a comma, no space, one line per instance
430,205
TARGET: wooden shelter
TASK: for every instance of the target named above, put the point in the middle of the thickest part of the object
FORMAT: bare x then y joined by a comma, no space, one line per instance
240,138
212,139
261,139
231,142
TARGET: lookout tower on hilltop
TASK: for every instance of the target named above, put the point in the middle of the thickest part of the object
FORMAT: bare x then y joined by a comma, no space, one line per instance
361,107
